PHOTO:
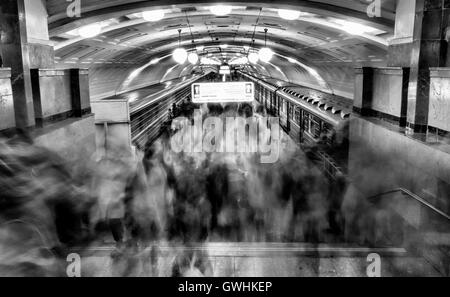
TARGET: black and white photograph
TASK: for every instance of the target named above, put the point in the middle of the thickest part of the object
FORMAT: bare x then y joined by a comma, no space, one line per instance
212,142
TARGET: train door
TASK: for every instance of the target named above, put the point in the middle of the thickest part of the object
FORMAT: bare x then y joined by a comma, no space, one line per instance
271,102
289,116
298,121
260,94
278,105
265,99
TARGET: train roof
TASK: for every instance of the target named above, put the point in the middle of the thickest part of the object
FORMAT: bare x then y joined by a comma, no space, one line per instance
323,104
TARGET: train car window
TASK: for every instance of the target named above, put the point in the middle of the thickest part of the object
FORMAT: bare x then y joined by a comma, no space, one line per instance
297,115
312,125
260,94
315,128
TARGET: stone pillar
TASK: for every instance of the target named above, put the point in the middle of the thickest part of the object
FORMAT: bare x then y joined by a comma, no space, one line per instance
15,56
363,90
439,114
81,102
400,47
39,46
24,45
7,119
422,39
429,50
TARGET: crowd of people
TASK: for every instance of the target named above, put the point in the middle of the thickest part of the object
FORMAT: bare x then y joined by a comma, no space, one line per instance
185,199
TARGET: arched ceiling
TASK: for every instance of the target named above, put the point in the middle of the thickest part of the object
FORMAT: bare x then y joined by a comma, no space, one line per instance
316,50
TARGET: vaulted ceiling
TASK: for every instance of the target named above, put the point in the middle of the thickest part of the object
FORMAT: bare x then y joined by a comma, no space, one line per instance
319,49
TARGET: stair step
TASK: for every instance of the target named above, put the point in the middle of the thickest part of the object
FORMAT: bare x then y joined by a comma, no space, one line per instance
267,250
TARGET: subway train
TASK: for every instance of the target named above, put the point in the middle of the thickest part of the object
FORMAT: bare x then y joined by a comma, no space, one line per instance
304,118
315,120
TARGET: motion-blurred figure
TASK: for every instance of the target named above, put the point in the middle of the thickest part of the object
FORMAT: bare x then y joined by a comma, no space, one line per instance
41,210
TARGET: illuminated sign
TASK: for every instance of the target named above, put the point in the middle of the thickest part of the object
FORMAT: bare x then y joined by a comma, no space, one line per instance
225,69
223,92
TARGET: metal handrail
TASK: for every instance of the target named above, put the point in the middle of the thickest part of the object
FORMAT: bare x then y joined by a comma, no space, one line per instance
415,197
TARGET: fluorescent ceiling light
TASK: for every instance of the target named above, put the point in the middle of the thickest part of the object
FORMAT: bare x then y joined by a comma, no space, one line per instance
289,15
209,61
239,61
224,46
154,61
90,31
221,10
153,15
354,28
291,60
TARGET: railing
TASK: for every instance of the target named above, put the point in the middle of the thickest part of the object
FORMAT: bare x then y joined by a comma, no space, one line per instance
328,165
408,193
425,236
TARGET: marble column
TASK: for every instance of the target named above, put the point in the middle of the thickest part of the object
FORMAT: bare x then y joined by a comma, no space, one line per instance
363,96
15,56
81,103
421,38
7,119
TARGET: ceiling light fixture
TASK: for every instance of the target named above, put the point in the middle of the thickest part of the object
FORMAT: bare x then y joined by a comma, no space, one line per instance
265,54
90,31
239,61
289,15
193,58
209,61
291,60
154,61
221,10
224,46
253,58
180,54
153,15
354,28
